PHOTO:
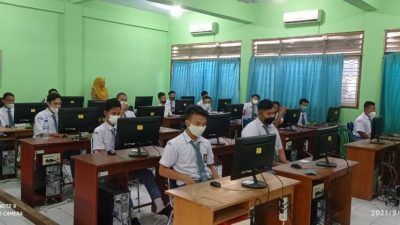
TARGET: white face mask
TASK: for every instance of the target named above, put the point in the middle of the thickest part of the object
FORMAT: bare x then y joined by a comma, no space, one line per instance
372,114
10,106
254,101
197,130
113,119
207,106
54,109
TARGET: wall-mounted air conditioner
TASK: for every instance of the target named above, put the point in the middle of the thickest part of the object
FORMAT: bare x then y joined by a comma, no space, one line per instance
307,16
203,28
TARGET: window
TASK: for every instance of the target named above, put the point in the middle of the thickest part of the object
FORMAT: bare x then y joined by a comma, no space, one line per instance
392,41
349,44
211,50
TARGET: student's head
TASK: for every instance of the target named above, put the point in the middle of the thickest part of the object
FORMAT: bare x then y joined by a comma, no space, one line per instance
161,97
204,94
122,97
8,100
207,100
255,98
266,111
112,110
303,103
54,102
369,108
53,90
196,120
276,105
171,95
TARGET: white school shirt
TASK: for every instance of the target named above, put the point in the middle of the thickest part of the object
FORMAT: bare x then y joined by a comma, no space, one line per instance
4,116
169,108
40,118
103,138
363,124
256,128
300,119
181,156
247,110
200,103
129,114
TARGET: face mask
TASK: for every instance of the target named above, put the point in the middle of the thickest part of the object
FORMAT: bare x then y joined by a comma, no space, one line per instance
207,106
254,101
10,106
54,109
269,120
372,114
113,119
304,108
197,130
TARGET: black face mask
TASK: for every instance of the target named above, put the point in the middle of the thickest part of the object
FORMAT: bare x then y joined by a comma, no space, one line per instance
268,121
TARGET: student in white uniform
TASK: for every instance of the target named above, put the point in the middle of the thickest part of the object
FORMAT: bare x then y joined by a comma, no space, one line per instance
7,111
303,104
125,112
250,110
103,139
170,104
203,94
50,114
263,125
51,91
189,155
362,125
207,104
162,98
279,113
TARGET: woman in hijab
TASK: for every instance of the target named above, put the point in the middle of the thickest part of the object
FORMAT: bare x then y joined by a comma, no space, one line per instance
99,90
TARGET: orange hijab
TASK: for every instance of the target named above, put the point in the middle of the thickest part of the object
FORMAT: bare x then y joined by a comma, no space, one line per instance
99,90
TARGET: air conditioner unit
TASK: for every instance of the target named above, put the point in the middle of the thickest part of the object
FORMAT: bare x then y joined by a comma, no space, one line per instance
307,16
203,28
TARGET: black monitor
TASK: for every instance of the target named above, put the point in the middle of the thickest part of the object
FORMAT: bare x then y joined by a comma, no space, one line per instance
99,105
188,98
333,115
222,103
146,111
291,118
72,101
377,130
218,125
137,132
26,112
236,111
181,106
250,156
327,143
77,120
143,101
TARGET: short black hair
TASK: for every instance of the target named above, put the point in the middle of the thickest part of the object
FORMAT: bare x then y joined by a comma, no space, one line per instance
160,94
112,103
51,90
171,92
265,104
303,100
255,95
195,109
5,95
368,103
276,103
207,97
204,93
53,96
121,93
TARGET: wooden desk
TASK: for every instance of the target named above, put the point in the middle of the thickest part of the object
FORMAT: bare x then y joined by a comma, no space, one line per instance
201,204
296,139
367,155
337,181
88,168
32,146
224,153
176,122
167,134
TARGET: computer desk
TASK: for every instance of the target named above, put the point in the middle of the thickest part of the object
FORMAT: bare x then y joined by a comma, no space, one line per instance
167,134
337,181
296,139
116,168
367,155
201,204
175,121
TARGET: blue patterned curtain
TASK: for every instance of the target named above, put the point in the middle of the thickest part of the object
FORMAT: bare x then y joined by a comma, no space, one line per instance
288,78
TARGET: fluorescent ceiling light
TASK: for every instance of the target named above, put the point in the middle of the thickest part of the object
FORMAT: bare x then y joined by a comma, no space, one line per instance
176,10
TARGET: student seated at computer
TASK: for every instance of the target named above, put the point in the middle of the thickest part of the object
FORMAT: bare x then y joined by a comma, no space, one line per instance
103,139
50,114
162,99
51,91
279,113
203,94
125,112
250,110
362,125
7,111
189,158
207,104
303,104
170,104
263,125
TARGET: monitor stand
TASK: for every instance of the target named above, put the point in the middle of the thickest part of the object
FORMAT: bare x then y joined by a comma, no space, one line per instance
326,163
78,137
139,153
377,142
254,184
290,128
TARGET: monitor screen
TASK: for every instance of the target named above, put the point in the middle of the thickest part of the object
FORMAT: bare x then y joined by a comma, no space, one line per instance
76,120
143,101
72,101
26,112
222,103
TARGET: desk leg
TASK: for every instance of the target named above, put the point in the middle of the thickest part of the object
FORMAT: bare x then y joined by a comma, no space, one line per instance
27,174
186,212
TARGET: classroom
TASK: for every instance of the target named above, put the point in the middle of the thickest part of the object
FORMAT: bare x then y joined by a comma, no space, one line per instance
197,112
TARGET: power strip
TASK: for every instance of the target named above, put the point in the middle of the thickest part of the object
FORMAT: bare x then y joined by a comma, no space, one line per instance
283,209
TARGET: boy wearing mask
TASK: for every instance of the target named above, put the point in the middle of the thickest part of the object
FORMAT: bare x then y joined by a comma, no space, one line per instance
170,104
250,110
125,112
7,111
162,98
50,114
362,125
303,103
207,104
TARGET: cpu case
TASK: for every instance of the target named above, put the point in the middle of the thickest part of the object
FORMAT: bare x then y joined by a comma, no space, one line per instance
48,174
113,205
7,160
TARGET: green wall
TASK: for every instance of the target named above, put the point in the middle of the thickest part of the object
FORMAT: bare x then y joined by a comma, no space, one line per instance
340,17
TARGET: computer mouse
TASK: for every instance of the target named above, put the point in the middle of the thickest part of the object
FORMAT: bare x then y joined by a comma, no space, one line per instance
215,184
8,126
296,166
311,173
111,152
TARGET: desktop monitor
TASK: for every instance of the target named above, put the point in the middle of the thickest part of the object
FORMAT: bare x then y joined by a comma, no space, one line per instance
77,120
377,130
188,98
327,143
181,106
143,101
72,101
26,112
236,111
99,105
250,156
291,118
222,103
218,125
150,111
137,132
333,115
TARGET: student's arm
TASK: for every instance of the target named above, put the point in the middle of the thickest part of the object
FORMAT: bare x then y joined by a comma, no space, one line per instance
174,175
363,135
361,129
98,142
278,117
210,162
282,156
214,172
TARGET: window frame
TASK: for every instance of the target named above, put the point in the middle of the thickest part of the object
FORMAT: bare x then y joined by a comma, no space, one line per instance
206,43
387,31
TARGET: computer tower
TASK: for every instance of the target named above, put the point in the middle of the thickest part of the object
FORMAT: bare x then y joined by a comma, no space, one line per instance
318,203
48,174
113,205
7,161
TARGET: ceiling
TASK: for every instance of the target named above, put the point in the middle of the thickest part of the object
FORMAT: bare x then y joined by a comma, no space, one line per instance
144,5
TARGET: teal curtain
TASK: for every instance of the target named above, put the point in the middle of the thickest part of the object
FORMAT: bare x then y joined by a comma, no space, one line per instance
390,97
220,77
288,78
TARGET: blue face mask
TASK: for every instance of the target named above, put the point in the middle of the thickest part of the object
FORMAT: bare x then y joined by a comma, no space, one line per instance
304,108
